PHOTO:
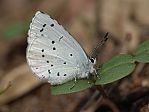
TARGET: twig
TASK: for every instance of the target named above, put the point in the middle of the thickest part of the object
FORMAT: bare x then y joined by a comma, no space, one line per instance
95,99
5,89
90,101
102,91
137,71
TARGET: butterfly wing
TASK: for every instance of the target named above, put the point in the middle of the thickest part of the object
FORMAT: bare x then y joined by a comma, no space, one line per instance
43,21
52,53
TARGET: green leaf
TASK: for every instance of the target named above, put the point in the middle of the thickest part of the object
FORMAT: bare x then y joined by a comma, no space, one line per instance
67,87
141,54
115,69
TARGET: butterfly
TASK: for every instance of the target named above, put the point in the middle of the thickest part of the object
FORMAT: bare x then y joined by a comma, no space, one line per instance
53,54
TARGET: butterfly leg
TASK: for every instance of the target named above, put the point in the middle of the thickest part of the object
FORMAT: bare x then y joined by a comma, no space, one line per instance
97,74
75,81
89,82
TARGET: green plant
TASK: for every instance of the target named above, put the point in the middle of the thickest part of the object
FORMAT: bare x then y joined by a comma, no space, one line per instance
113,70
13,30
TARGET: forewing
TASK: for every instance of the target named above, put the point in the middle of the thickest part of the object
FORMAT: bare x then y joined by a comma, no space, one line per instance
42,24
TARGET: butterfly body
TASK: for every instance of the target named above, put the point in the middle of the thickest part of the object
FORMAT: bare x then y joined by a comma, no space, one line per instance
53,54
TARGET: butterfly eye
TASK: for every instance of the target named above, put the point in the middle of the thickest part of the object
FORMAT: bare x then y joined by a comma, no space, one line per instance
92,60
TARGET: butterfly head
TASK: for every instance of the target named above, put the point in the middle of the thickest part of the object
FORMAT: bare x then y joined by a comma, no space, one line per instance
92,62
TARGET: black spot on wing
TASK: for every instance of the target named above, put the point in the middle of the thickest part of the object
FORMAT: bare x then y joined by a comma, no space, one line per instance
54,48
53,42
43,76
70,54
52,25
58,74
49,71
41,30
42,50
44,25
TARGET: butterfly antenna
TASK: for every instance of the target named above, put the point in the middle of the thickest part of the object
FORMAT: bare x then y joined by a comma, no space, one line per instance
101,43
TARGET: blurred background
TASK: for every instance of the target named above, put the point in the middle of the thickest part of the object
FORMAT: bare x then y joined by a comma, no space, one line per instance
127,22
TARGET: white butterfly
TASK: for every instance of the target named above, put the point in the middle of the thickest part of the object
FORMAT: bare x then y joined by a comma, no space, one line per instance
53,54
